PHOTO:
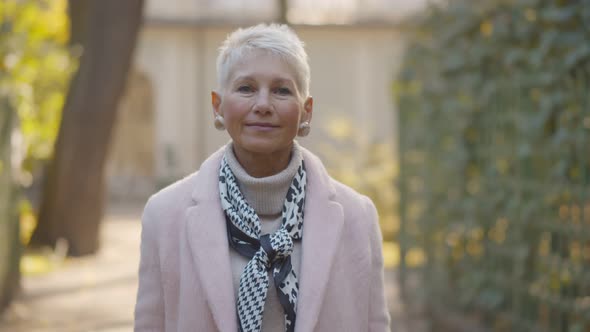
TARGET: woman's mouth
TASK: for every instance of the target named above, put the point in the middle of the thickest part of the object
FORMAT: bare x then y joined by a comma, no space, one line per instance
261,126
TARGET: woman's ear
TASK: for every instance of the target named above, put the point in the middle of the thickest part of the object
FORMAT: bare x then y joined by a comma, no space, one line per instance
307,109
216,102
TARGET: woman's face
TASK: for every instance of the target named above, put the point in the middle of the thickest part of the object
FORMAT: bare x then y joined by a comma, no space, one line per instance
261,105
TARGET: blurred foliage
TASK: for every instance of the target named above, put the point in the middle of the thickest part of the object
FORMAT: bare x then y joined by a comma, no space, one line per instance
35,66
41,261
495,160
369,167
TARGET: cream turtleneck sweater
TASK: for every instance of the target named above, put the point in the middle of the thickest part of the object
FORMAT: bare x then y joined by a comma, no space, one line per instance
266,196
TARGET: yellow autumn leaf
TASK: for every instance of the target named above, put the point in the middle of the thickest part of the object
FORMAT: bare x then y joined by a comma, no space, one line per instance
530,15
340,128
391,254
35,264
486,28
415,257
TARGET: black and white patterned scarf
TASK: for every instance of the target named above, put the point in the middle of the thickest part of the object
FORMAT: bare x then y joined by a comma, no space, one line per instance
266,252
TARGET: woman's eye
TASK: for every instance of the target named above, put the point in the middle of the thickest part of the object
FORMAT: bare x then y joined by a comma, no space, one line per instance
284,91
245,88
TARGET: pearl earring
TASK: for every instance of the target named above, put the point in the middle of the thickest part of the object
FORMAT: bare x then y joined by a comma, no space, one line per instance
304,129
219,122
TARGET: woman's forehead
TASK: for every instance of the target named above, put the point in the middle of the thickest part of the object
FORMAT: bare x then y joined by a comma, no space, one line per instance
262,65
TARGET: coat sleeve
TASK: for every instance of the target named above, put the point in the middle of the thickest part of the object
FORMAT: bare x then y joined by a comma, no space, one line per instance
149,307
378,311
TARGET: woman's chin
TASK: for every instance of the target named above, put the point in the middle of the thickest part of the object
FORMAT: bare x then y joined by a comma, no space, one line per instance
262,146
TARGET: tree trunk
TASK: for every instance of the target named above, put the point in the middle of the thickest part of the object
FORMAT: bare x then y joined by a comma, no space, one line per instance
283,10
10,248
73,195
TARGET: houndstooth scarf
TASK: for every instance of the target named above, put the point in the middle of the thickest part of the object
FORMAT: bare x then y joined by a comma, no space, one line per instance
266,252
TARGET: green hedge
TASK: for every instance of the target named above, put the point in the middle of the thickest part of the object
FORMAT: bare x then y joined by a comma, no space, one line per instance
494,102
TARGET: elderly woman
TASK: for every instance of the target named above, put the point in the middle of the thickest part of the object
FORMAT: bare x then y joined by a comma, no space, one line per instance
261,238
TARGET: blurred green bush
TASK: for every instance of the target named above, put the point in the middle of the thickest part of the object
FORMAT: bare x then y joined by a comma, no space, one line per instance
35,66
494,101
370,167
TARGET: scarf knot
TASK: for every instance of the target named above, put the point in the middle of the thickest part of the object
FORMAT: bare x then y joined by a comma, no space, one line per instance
275,247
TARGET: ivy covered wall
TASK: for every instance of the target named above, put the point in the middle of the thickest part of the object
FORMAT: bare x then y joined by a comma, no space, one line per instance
495,161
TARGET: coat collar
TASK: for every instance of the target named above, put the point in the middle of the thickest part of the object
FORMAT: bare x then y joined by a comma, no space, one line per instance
207,237
322,228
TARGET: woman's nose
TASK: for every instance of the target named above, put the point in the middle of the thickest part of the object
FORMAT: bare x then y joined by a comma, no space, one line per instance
262,102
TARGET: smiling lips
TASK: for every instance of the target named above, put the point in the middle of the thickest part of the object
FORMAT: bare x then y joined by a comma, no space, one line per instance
262,126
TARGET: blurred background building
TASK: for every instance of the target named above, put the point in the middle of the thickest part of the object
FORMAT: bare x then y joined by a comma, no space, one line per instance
165,123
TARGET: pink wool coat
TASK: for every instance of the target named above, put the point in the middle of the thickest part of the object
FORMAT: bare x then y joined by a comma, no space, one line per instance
185,277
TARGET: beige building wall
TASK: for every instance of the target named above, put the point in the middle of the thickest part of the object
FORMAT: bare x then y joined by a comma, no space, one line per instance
210,11
352,71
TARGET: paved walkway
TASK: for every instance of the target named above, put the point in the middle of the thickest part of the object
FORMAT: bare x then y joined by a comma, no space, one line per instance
98,293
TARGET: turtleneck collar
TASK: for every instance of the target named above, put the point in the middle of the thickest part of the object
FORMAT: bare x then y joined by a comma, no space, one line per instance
267,194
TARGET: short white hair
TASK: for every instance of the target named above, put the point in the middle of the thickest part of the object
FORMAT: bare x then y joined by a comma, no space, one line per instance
277,39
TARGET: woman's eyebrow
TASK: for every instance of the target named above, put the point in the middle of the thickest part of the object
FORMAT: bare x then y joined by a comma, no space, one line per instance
278,80
282,80
243,78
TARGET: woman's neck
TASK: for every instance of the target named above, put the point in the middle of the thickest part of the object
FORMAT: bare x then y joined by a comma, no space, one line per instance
261,165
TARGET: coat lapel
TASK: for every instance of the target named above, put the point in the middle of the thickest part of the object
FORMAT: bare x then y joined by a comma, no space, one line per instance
321,235
207,238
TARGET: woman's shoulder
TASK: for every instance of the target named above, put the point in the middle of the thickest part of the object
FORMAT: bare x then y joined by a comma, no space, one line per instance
342,193
172,197
179,195
349,198
352,201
